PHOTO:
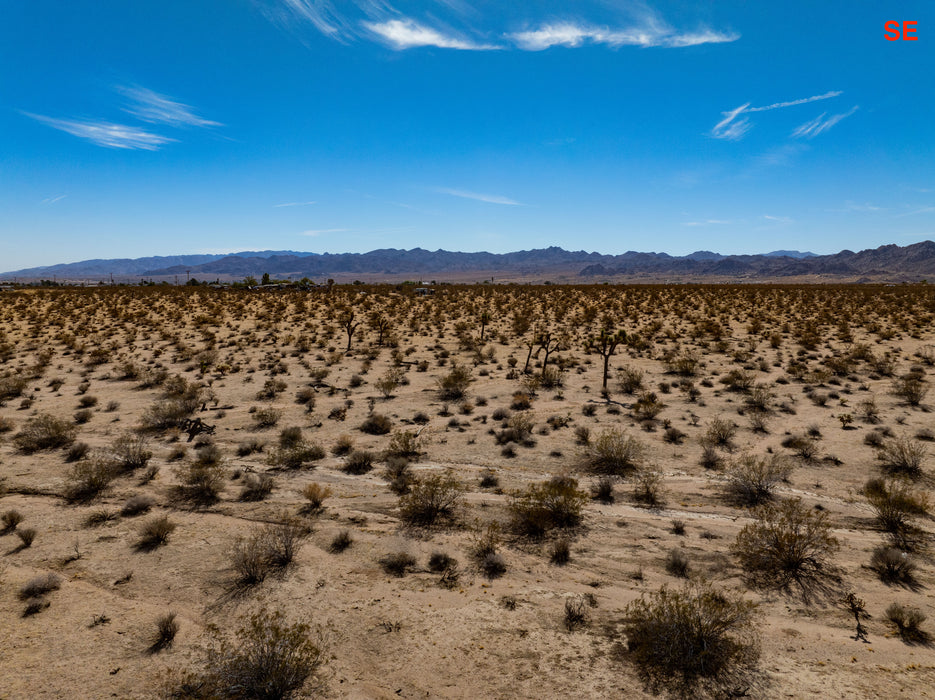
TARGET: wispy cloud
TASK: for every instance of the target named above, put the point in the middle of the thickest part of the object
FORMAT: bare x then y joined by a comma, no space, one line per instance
489,198
320,231
820,124
106,134
406,34
572,35
707,222
53,200
154,108
734,126
293,204
779,219
350,20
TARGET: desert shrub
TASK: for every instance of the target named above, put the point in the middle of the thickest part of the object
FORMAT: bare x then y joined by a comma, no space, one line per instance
26,536
11,386
582,436
10,519
521,401
399,474
647,406
603,490
678,527
556,503
266,417
39,586
99,517
576,613
910,388
673,435
315,494
453,386
648,488
306,396
163,636
901,455
560,552
489,479
249,560
518,429
256,487
431,498
81,417
282,542
376,424
696,642
202,480
358,462
136,505
907,623
441,561
78,450
676,563
788,545
272,546
343,446
719,433
397,563
614,453
804,446
631,380
248,447
44,432
270,660
130,452
893,566
89,478
290,437
752,480
896,504
341,541
296,455
155,532
404,443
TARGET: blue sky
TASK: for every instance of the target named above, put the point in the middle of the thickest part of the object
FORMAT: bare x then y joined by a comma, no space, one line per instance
185,126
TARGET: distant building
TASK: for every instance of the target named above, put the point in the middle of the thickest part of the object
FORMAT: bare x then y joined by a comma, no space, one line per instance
424,291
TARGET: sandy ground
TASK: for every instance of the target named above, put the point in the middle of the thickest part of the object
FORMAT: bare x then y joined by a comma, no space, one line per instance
388,637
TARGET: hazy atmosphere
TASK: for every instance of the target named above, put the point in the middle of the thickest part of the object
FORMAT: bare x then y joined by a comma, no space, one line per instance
135,129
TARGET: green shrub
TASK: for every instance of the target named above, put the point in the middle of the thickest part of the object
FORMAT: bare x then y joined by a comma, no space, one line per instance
696,642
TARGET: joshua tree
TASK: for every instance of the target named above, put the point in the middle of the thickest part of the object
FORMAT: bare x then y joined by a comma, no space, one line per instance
347,322
605,343
379,323
484,320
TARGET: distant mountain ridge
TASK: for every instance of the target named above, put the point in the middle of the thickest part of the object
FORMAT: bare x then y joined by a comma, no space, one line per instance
888,261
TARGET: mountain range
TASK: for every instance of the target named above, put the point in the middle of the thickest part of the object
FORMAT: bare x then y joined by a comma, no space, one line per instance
886,263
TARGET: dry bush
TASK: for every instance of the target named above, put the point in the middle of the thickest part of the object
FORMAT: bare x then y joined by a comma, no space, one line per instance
397,563
697,642
556,503
901,455
576,613
155,532
296,455
676,563
893,566
343,446
10,519
256,487
340,542
788,546
44,432
910,388
39,586
404,443
26,536
358,462
907,623
89,478
560,552
648,488
454,385
315,494
266,417
631,379
130,451
270,547
614,453
376,424
603,489
431,498
804,446
719,433
202,480
896,504
137,505
166,629
269,660
752,480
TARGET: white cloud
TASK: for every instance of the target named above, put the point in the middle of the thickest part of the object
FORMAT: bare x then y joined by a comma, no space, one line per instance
53,200
154,108
734,126
779,219
707,222
489,198
293,204
820,125
572,35
408,34
107,134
